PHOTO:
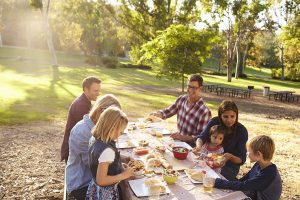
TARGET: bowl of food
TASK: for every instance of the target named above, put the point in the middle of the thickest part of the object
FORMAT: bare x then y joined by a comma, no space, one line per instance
214,160
143,143
170,176
180,152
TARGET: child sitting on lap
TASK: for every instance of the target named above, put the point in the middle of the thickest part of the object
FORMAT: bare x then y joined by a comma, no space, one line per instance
263,181
214,144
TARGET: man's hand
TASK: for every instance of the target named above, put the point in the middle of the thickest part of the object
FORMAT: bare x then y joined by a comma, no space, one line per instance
176,136
183,138
157,114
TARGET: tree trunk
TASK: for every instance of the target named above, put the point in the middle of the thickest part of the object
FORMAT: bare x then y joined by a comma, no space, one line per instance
45,11
238,58
1,44
282,64
219,65
245,57
182,71
182,82
229,56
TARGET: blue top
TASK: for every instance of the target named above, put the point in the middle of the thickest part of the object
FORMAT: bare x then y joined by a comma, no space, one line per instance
78,174
259,184
234,143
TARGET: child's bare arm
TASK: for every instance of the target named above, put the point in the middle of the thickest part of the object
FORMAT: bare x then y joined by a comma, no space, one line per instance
103,179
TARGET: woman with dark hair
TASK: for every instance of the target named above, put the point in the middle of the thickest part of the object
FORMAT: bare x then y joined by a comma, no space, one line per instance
235,139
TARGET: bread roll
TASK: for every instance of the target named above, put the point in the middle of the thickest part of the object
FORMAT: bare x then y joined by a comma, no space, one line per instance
153,162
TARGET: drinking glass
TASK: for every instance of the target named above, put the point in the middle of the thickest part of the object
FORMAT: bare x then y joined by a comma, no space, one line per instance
154,192
208,183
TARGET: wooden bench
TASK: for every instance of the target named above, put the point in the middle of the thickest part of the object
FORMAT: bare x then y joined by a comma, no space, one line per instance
274,94
293,98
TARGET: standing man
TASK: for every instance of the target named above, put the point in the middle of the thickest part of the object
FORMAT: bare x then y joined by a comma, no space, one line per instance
192,113
79,107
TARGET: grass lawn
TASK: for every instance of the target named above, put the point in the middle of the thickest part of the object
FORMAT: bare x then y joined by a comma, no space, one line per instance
27,92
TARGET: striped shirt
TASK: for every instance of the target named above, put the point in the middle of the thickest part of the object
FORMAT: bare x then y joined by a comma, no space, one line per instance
191,119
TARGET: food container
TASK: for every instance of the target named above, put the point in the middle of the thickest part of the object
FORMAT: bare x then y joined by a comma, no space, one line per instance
170,179
180,152
170,176
143,143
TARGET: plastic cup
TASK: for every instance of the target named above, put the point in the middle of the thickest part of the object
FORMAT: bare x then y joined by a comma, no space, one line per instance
208,183
154,192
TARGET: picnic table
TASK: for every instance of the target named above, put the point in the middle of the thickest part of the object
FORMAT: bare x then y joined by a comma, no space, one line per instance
234,92
183,188
209,87
283,95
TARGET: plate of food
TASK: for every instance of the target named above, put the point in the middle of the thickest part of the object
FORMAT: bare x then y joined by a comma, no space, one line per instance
196,174
140,151
214,160
142,187
125,141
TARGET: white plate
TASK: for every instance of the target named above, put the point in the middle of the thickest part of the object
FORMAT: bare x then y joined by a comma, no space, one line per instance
162,130
124,141
140,189
209,172
191,179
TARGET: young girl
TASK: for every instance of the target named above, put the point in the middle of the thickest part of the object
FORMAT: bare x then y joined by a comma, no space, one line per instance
214,142
78,173
104,158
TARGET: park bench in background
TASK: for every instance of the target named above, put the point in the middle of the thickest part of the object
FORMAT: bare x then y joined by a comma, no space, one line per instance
273,94
228,91
284,96
293,97
233,92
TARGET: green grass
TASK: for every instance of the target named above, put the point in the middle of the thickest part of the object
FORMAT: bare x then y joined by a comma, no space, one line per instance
28,93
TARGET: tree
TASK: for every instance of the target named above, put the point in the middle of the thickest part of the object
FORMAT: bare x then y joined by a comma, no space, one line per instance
96,31
286,12
263,51
44,8
177,51
290,40
144,18
240,15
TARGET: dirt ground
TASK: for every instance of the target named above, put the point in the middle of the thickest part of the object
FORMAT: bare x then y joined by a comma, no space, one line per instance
30,166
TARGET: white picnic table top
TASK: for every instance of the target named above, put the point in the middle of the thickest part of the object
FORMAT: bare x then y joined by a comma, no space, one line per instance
183,189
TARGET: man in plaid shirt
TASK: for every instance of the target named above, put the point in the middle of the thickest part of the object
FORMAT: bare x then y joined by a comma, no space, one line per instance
192,113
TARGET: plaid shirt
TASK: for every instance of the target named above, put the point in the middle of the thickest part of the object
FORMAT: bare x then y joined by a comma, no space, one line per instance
191,119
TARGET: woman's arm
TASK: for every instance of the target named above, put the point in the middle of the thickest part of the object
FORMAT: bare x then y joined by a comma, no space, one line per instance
241,146
232,158
103,179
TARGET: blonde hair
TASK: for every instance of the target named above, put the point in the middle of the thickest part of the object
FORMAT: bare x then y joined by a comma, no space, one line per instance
101,104
111,123
263,144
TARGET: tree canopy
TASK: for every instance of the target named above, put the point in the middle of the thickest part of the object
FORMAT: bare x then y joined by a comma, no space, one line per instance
178,50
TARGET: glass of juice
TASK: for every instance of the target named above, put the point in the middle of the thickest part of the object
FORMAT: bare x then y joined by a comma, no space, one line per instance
208,183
